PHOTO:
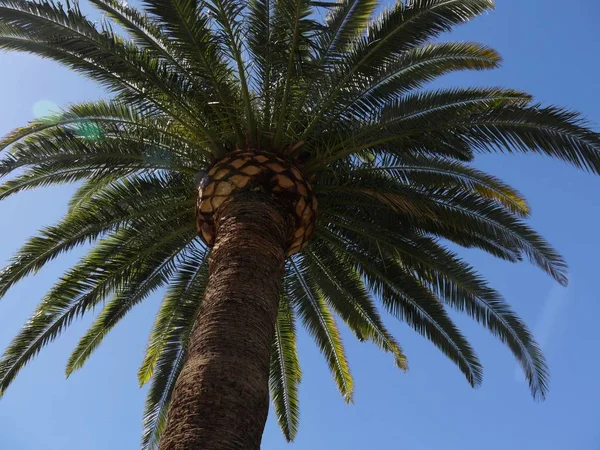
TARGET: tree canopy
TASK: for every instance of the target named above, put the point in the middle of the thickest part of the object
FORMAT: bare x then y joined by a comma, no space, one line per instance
338,89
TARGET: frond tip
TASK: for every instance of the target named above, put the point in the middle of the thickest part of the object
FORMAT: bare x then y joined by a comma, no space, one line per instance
318,319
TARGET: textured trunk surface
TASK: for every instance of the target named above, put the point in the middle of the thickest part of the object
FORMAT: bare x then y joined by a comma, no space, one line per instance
221,398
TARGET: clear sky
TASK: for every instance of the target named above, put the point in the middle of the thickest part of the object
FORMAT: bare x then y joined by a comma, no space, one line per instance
550,49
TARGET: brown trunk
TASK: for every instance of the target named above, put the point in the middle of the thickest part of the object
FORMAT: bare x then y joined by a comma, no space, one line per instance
221,398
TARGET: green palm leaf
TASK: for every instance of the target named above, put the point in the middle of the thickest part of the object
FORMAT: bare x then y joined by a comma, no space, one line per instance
168,341
347,295
148,280
182,298
84,286
396,30
310,305
415,304
285,371
427,171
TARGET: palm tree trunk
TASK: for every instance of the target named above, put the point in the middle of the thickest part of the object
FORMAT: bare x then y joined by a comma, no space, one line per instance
221,398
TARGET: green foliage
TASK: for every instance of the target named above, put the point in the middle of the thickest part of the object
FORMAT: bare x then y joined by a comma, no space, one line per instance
308,300
285,372
168,340
345,98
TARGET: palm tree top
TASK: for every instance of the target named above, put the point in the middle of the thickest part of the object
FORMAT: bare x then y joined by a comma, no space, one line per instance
342,100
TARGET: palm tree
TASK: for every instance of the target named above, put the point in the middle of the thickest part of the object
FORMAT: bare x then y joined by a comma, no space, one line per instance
230,128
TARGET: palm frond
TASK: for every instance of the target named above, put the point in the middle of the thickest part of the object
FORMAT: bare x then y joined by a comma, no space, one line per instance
49,30
92,121
465,218
182,298
488,120
108,267
310,305
412,302
458,285
168,368
261,43
391,124
347,20
285,373
293,22
168,343
228,16
58,150
345,291
431,172
188,26
409,71
136,203
397,29
155,274
146,32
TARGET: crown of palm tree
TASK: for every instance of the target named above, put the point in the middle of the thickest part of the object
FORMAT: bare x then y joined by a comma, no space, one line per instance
340,99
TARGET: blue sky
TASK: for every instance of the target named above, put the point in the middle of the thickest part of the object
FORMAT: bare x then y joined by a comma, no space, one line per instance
550,50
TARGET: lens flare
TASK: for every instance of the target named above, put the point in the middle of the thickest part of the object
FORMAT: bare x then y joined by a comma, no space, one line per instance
45,109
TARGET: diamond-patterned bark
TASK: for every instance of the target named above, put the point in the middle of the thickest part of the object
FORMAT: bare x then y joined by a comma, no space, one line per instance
257,170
